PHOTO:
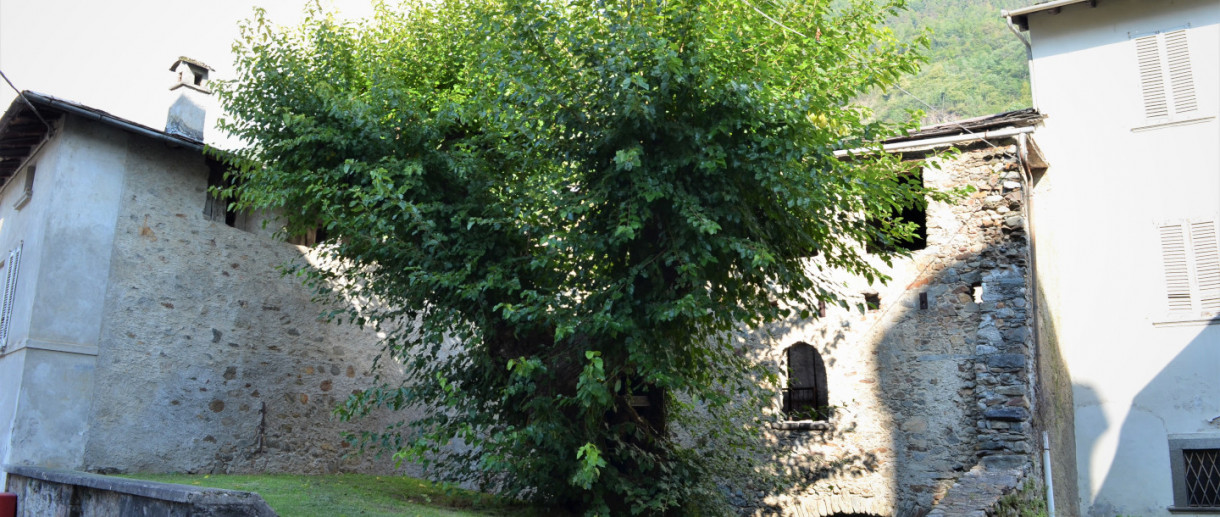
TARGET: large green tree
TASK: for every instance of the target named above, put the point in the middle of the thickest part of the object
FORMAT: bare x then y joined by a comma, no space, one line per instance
556,208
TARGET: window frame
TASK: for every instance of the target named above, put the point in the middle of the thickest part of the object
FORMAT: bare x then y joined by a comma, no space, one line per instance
1177,468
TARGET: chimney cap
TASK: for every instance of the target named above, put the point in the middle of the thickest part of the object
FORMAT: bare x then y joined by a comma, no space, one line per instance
193,76
193,63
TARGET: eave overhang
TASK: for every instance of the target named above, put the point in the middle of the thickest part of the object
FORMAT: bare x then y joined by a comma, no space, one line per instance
33,117
1020,17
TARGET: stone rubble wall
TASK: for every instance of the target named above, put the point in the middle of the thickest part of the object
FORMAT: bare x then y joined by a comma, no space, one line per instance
210,359
978,492
921,394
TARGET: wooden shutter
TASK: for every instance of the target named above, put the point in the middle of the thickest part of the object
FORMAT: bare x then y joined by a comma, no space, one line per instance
1167,82
1191,254
1207,264
1152,80
1177,271
1181,79
10,291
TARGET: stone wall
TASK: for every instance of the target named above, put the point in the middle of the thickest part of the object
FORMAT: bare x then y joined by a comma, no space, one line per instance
62,493
936,377
211,360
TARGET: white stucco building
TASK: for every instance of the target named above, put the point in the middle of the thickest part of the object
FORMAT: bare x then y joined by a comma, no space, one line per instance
1125,228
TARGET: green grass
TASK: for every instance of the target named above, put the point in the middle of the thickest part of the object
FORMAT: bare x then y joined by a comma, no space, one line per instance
354,495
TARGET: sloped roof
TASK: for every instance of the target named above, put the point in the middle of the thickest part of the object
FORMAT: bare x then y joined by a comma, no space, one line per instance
30,119
1019,118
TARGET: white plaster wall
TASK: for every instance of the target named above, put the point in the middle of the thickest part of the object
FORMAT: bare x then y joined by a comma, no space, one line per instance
26,225
73,266
16,227
1135,379
61,283
50,427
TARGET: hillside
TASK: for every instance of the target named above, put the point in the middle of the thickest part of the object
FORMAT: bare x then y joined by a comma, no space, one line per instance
975,66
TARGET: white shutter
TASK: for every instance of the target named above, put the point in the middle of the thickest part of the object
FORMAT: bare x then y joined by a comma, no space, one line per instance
1191,254
10,291
1207,264
1152,79
1181,79
1167,82
1177,273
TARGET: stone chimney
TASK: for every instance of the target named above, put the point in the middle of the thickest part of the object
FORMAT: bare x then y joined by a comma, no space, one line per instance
188,111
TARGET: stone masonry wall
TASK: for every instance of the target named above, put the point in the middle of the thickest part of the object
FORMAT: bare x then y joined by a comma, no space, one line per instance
921,392
211,360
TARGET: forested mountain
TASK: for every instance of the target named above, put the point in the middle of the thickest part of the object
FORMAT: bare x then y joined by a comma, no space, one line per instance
975,66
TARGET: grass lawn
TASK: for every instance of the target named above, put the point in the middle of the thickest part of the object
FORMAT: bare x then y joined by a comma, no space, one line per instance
353,495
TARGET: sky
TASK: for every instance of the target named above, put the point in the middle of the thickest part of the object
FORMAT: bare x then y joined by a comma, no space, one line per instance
115,55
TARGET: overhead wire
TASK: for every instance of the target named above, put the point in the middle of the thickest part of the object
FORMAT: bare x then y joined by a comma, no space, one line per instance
27,102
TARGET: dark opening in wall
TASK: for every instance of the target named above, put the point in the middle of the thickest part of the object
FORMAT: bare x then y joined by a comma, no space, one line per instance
648,401
872,300
916,212
806,396
28,190
311,237
215,208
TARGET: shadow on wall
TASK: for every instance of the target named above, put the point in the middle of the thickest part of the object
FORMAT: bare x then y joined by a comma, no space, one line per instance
1056,411
1134,461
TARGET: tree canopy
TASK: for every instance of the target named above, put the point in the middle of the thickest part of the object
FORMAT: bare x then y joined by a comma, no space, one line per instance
560,209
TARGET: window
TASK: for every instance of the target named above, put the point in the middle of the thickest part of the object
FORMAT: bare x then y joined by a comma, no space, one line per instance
648,401
805,397
311,237
916,212
215,208
1191,260
1194,462
1165,76
28,191
7,297
872,300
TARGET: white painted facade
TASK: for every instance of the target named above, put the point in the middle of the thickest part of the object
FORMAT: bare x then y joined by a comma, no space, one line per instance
1140,371
50,352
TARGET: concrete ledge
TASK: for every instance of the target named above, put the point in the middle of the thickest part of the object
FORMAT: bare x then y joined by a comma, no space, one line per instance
45,491
51,346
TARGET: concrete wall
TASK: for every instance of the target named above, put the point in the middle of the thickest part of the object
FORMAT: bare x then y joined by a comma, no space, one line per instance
1138,372
49,492
922,393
